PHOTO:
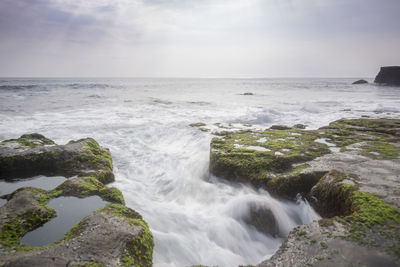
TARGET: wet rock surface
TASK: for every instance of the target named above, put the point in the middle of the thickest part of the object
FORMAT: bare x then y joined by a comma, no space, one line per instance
351,178
112,236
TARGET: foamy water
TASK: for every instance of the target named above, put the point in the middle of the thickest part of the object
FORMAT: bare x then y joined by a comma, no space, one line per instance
161,164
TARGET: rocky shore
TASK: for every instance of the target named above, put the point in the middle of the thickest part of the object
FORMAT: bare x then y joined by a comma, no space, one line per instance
349,171
113,235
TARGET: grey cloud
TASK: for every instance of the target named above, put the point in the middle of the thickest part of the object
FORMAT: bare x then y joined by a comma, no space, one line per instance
41,20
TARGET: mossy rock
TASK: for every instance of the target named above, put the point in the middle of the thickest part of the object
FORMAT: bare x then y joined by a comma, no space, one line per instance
84,186
139,250
112,236
370,220
261,155
65,160
25,211
27,141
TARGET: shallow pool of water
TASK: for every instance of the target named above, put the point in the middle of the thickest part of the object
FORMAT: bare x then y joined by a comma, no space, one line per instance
70,210
40,181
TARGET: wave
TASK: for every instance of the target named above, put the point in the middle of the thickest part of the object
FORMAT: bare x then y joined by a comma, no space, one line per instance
89,86
383,109
18,87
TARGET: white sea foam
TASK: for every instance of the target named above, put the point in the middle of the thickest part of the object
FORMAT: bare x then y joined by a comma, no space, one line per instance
161,164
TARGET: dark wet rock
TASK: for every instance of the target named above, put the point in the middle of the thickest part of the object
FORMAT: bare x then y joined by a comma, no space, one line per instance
389,76
360,82
300,126
263,219
19,158
112,236
279,127
197,124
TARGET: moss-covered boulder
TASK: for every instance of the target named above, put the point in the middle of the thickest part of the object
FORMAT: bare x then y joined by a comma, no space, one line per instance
38,155
113,236
258,156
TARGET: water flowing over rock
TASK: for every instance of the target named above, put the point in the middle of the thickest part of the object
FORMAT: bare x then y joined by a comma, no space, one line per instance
351,178
389,76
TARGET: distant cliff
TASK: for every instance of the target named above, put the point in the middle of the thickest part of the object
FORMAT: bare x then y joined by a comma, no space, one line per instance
389,76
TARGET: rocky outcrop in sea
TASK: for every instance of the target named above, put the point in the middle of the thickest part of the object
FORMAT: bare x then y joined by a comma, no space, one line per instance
388,76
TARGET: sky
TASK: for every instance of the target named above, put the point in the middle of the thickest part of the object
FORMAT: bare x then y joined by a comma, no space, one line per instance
198,38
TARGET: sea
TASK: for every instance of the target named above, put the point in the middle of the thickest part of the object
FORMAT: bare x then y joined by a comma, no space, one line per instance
161,164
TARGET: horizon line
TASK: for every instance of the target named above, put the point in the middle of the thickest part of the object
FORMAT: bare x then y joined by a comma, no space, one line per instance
182,77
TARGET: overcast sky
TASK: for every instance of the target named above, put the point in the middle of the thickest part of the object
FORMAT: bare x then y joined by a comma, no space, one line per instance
198,38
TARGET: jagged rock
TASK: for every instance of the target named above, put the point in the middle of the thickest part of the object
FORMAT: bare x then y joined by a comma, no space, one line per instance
360,82
389,76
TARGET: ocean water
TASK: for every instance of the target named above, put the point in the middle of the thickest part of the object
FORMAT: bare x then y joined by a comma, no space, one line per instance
161,164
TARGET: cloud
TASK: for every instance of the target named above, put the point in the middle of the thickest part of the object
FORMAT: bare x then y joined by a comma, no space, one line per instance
44,20
197,37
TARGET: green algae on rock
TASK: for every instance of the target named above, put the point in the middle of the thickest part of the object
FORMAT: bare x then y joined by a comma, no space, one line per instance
66,160
350,178
262,155
89,186
112,236
27,141
25,211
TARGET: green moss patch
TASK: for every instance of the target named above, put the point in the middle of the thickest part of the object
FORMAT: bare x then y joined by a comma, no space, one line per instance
370,220
260,155
89,186
30,141
99,156
380,150
345,132
140,249
16,227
